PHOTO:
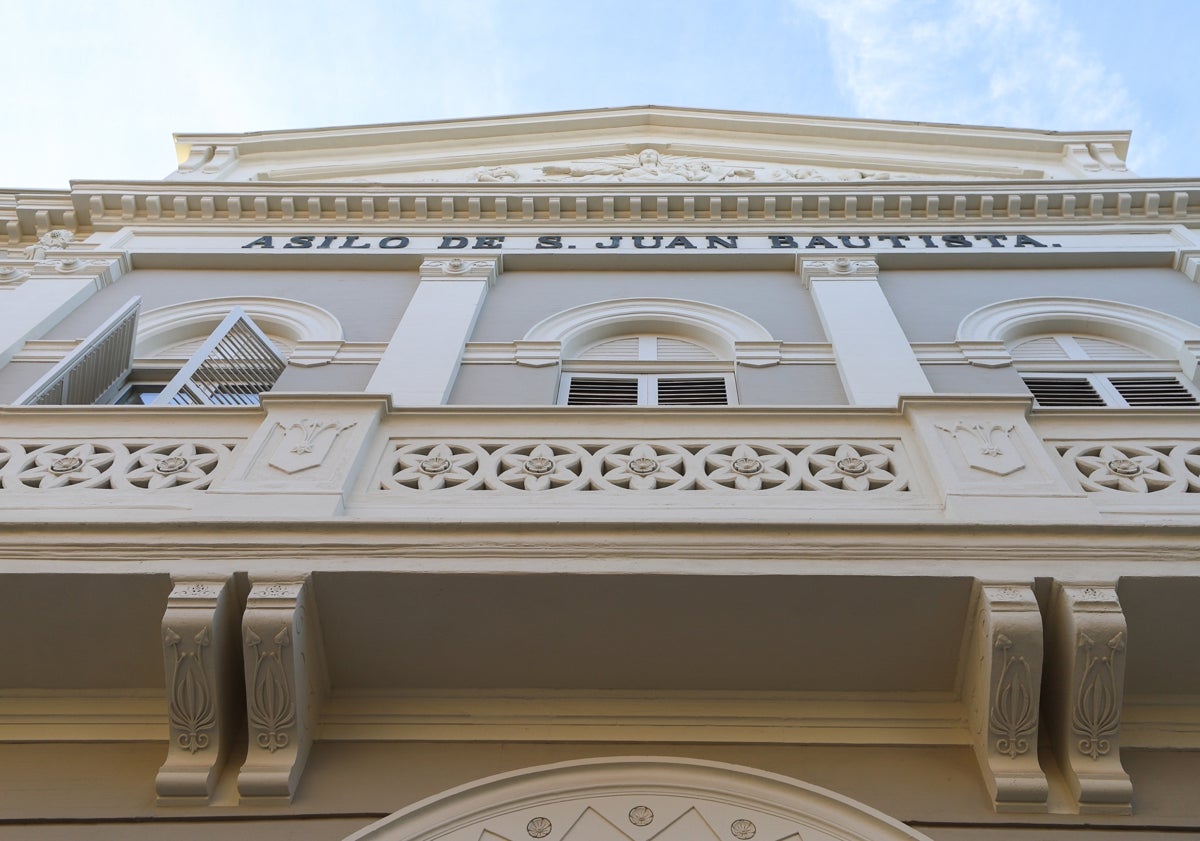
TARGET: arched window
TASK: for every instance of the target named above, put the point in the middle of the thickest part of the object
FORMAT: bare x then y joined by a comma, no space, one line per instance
207,352
648,352
1080,352
1064,369
646,369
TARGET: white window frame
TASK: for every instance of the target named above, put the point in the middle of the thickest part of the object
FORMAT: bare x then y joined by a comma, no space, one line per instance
1106,390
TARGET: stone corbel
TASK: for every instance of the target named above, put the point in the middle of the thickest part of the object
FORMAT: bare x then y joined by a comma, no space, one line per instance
986,354
1086,637
282,659
461,268
839,268
204,682
1106,154
1188,262
1002,692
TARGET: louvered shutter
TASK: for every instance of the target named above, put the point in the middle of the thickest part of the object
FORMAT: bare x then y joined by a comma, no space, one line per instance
603,391
231,368
1153,391
94,371
1064,391
692,391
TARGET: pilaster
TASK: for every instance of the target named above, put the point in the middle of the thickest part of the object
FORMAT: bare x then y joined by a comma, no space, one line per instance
1086,638
204,682
284,676
422,359
39,291
874,358
1004,675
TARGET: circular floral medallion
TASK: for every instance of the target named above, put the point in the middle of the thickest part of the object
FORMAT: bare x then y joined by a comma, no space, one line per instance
171,464
746,466
66,464
742,829
1124,467
539,466
539,827
643,466
435,465
641,816
853,466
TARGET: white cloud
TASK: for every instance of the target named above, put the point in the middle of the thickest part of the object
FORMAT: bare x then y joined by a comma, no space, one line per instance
1017,63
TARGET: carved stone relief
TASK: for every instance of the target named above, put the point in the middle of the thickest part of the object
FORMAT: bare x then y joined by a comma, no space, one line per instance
1004,688
560,466
1086,652
280,664
305,444
200,654
986,446
113,465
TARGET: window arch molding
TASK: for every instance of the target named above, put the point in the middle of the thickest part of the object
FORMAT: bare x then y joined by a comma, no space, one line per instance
516,802
1166,336
294,321
716,328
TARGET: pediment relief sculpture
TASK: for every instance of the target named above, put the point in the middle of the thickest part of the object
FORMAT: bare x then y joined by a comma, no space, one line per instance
651,166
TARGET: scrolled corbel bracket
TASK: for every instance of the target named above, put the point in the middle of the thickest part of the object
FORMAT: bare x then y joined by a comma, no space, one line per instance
1085,665
281,657
1003,694
203,671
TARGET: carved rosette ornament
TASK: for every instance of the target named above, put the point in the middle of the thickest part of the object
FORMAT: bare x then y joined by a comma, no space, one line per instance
432,467
643,467
853,468
12,277
185,465
1130,468
539,467
82,465
746,467
641,816
742,829
539,827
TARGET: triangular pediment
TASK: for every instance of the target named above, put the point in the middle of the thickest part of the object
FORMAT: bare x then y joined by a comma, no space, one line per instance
649,144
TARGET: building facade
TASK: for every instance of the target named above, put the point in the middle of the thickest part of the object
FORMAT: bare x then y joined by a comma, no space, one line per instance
642,474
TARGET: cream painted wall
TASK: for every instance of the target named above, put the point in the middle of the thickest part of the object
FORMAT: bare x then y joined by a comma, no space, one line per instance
774,299
505,385
971,379
368,304
790,385
930,304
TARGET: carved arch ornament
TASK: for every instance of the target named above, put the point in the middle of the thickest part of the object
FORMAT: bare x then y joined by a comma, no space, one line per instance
607,799
716,328
294,321
983,333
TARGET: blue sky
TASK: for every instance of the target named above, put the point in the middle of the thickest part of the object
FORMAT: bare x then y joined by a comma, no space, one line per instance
94,90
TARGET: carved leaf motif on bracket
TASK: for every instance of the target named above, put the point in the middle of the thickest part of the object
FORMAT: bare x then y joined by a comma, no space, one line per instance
190,705
1013,717
271,708
1097,715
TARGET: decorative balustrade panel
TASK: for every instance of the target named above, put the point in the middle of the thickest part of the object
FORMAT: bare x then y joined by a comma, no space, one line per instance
110,464
1133,467
833,466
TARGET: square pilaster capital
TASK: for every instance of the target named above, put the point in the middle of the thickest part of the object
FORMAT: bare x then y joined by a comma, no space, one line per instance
839,268
461,268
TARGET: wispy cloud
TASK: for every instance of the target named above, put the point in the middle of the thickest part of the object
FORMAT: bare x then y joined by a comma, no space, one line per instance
1017,63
